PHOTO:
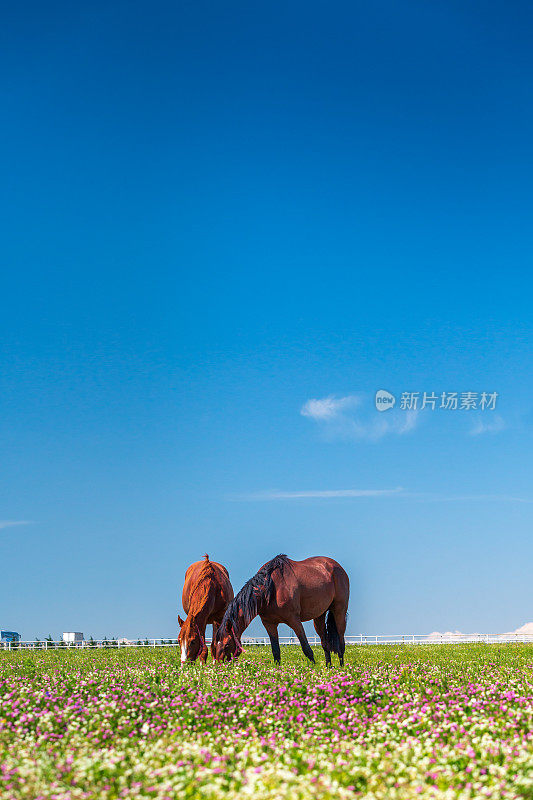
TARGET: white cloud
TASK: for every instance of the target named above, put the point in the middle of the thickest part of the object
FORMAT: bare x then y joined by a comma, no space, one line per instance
407,422
488,425
329,407
345,418
11,523
320,493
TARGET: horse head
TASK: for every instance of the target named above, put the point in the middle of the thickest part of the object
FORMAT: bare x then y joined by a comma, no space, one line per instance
228,644
191,640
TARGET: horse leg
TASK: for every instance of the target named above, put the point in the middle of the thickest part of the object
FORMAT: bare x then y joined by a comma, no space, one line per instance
202,655
203,652
272,631
320,628
296,624
339,615
213,642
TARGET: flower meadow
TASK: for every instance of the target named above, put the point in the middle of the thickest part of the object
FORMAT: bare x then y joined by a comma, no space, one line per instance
396,722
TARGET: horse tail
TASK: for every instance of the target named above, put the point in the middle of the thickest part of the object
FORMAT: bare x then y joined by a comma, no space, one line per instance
332,634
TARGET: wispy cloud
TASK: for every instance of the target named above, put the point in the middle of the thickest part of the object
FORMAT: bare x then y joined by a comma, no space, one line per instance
328,408
318,493
11,523
348,418
493,425
398,492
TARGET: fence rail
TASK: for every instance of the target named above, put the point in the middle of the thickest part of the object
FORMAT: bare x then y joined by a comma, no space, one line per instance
358,639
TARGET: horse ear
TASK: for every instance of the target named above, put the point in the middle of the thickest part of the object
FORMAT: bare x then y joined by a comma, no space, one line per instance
180,621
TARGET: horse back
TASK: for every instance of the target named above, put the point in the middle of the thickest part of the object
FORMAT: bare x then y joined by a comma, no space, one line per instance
212,581
318,569
311,586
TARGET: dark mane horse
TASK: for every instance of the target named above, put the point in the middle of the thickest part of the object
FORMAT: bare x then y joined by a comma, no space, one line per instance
257,589
206,594
291,592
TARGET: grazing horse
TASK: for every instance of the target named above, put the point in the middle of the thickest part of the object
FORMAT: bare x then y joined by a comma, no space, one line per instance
292,592
206,594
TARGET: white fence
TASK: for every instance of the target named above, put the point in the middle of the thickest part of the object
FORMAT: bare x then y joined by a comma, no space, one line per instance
359,639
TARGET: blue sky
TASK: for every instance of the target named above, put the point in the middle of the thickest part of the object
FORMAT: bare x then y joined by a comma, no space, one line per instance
213,215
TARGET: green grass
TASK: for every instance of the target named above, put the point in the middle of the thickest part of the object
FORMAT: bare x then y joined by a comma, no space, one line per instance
396,722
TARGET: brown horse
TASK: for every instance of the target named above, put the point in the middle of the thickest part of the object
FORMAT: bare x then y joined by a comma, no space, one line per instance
206,594
291,592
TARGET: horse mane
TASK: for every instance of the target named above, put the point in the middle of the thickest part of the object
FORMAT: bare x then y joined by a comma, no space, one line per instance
261,586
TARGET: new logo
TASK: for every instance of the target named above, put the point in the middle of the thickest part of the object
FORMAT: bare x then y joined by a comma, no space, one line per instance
384,400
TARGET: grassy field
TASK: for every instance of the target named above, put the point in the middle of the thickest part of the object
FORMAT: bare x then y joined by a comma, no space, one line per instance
397,722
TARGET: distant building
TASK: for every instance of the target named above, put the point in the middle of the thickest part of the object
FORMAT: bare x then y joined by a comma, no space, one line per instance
72,636
9,636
